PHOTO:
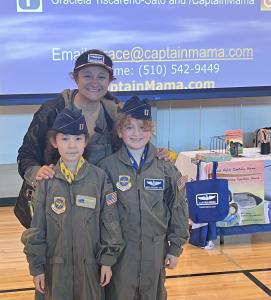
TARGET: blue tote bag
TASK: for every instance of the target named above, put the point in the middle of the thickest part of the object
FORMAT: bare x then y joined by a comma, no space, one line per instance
208,200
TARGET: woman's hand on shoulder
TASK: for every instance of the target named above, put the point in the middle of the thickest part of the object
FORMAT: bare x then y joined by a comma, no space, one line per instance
45,172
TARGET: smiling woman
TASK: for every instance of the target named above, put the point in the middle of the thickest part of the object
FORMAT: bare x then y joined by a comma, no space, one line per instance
93,73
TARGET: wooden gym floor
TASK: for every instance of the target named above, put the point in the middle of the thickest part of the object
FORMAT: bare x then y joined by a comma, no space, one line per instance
238,270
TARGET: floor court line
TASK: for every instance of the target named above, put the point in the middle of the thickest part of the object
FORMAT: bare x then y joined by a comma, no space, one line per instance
247,273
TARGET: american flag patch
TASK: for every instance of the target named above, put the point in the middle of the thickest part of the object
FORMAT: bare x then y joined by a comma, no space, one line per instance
181,182
111,198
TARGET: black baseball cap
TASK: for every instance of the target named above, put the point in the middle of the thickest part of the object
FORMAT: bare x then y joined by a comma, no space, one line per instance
94,57
136,108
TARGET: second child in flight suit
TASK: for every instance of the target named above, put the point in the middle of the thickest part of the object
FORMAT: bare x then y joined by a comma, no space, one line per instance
152,208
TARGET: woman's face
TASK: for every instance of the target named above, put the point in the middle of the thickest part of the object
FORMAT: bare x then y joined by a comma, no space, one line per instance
93,82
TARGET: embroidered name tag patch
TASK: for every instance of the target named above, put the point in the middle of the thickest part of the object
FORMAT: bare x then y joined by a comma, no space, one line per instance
59,205
153,184
85,201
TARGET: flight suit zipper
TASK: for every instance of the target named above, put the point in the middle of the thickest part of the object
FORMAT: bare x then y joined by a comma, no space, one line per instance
72,234
140,240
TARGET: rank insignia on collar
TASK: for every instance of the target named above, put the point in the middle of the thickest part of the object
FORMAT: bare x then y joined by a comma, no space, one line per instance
153,184
124,183
59,205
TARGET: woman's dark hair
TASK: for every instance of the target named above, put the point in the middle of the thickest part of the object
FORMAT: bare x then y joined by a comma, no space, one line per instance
110,96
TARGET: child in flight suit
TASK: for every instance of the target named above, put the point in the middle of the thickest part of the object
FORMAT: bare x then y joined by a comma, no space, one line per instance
152,208
75,235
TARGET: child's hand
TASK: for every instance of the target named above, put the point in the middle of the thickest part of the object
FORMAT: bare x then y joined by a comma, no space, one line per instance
106,274
171,261
45,172
39,282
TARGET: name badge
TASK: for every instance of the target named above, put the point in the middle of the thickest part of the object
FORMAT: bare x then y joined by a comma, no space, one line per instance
85,201
153,184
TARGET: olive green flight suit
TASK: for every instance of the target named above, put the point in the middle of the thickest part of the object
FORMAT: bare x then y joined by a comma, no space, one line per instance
75,229
154,220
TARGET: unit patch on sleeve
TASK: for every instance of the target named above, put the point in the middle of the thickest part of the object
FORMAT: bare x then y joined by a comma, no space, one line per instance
154,184
59,205
85,201
124,183
111,198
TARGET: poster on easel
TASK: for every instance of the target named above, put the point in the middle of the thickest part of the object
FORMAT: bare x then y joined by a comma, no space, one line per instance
249,192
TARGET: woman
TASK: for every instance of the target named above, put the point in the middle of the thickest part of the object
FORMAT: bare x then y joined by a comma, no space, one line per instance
93,72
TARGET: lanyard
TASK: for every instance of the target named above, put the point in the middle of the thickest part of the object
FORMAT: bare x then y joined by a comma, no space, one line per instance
142,160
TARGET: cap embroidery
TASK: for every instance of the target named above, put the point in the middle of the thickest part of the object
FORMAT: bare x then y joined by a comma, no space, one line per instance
97,58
